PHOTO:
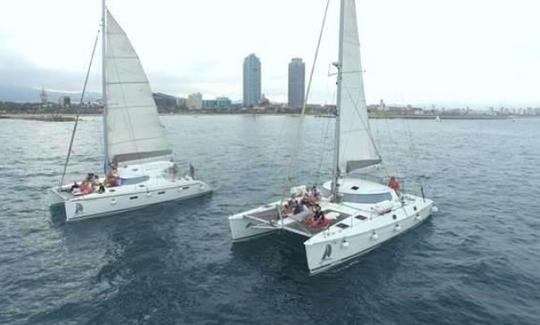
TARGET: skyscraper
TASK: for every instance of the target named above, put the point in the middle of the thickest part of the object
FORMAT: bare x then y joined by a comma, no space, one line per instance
252,80
297,79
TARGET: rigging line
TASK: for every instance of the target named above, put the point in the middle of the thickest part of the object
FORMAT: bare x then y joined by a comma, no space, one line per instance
78,112
323,151
294,149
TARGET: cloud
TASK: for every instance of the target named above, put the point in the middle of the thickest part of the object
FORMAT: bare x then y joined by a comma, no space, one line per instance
418,51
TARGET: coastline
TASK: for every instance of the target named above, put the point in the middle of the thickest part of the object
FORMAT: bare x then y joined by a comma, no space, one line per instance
63,117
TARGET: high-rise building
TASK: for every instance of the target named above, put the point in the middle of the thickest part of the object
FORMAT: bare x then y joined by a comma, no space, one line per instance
252,80
297,81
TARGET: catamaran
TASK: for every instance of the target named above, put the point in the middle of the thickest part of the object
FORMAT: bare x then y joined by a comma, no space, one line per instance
350,214
135,145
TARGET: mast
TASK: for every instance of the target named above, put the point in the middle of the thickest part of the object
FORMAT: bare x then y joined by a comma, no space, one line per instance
104,83
339,65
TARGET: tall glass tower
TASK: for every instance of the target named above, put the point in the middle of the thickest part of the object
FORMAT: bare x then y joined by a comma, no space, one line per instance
252,80
297,80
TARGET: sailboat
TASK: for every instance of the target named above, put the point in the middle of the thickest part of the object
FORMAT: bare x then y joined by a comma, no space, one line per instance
137,153
349,215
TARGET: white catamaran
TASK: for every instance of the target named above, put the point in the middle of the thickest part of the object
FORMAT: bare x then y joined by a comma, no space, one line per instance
349,216
137,154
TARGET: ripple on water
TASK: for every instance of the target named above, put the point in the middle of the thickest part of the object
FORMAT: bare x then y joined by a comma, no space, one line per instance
475,262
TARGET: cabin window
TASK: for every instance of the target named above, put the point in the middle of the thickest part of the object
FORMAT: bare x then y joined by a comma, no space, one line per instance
134,180
342,226
367,198
162,192
133,197
360,217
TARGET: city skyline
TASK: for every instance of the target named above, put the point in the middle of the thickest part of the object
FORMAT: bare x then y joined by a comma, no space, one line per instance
415,53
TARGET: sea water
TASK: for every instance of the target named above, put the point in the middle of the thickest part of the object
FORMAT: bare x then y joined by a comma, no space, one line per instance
477,261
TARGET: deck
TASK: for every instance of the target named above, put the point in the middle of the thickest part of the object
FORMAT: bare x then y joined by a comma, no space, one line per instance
294,223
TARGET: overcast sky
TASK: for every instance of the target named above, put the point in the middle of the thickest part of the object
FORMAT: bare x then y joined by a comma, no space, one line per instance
463,52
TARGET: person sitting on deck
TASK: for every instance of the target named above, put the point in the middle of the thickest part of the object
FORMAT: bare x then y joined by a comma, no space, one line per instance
95,181
112,179
393,184
285,210
307,201
315,193
73,187
86,187
298,208
319,215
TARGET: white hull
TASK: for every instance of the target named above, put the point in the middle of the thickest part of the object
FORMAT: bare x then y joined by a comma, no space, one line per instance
243,228
156,189
325,251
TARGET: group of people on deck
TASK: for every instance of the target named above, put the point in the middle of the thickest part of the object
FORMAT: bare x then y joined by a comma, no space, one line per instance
92,183
308,204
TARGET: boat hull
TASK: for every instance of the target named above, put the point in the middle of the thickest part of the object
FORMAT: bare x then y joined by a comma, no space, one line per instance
324,252
107,204
243,228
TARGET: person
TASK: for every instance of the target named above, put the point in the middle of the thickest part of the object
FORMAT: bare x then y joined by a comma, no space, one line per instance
86,187
74,186
110,180
393,184
298,208
191,171
315,192
285,210
319,215
95,182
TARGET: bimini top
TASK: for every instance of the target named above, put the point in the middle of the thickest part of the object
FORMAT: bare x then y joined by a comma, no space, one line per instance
357,186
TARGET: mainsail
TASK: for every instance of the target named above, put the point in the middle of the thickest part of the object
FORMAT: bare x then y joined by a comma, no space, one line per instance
356,147
132,127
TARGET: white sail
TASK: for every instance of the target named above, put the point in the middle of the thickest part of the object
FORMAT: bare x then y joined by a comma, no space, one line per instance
132,127
356,147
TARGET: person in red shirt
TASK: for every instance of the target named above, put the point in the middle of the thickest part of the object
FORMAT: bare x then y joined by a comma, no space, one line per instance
393,184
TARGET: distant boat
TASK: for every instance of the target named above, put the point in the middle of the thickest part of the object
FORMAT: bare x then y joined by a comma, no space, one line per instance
138,157
437,118
355,215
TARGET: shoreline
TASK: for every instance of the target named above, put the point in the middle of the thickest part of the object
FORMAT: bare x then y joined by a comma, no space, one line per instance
63,117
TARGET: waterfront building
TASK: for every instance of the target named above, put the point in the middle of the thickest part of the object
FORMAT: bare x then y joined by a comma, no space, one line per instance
218,103
181,102
252,80
297,79
64,101
194,101
223,102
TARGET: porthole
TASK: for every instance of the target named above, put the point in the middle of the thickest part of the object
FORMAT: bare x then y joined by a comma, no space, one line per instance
394,217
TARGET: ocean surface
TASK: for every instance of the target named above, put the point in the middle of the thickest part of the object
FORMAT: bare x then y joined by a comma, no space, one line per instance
475,262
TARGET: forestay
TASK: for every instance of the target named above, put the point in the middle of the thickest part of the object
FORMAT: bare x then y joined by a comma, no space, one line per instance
133,130
357,149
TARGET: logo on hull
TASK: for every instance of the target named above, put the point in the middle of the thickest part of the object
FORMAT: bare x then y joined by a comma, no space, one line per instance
327,252
78,208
